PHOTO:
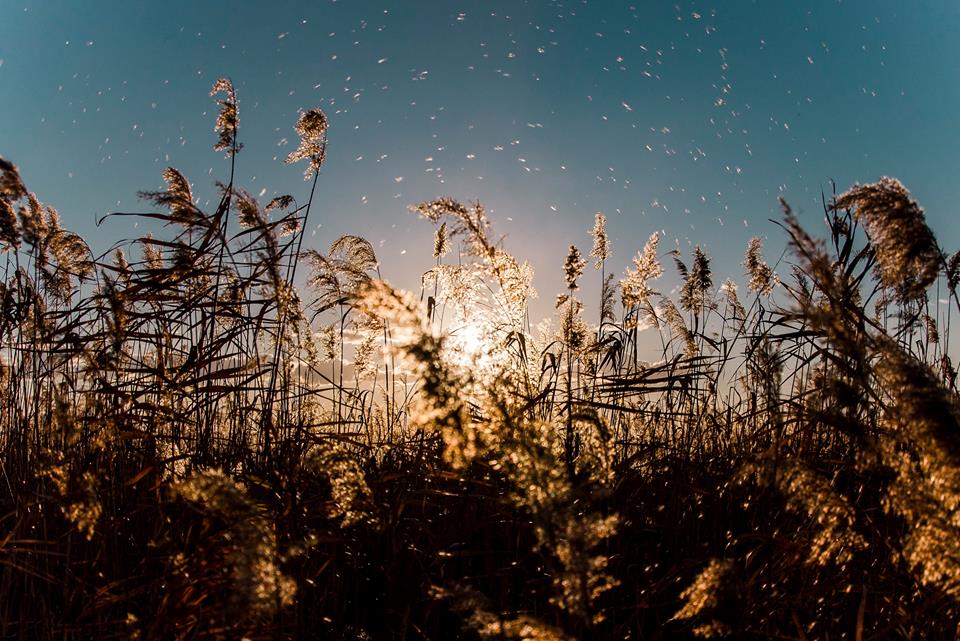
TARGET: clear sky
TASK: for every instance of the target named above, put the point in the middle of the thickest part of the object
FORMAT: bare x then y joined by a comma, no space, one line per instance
686,117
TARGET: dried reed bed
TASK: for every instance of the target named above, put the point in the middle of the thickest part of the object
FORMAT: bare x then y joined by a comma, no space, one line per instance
200,443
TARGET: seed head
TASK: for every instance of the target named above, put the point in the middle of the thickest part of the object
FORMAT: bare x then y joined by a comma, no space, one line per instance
762,278
228,120
573,267
908,257
601,245
312,129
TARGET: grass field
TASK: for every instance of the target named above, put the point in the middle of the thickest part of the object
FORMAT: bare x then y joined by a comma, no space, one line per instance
219,434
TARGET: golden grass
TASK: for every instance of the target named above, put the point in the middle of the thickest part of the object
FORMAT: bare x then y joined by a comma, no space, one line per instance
195,447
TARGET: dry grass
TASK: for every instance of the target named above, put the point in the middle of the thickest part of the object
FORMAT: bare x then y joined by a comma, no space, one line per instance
196,446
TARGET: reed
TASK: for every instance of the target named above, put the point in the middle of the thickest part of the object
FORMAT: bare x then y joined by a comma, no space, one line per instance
201,441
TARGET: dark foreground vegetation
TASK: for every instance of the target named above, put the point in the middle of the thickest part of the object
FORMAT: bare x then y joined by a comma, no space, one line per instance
192,447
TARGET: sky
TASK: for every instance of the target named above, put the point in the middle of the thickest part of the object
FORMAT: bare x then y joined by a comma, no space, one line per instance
688,118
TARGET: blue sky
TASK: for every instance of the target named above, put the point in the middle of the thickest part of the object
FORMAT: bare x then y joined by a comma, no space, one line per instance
685,117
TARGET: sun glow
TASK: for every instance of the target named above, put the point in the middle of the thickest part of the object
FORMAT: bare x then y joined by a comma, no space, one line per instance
472,346
470,339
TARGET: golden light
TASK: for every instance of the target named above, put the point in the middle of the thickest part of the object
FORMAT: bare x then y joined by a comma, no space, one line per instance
472,346
469,338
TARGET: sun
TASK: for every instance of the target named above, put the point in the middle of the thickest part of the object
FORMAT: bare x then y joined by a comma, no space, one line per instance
470,339
472,346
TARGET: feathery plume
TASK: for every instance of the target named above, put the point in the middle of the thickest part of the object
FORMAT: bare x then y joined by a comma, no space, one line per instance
228,120
478,619
434,209
441,242
573,329
312,129
738,313
9,231
702,597
762,278
177,198
251,558
608,291
249,214
635,288
329,342
697,282
908,257
573,268
470,223
280,202
351,498
364,359
953,272
675,320
11,185
601,244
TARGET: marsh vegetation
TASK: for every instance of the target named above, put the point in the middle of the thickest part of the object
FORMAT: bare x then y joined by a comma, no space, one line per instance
218,433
